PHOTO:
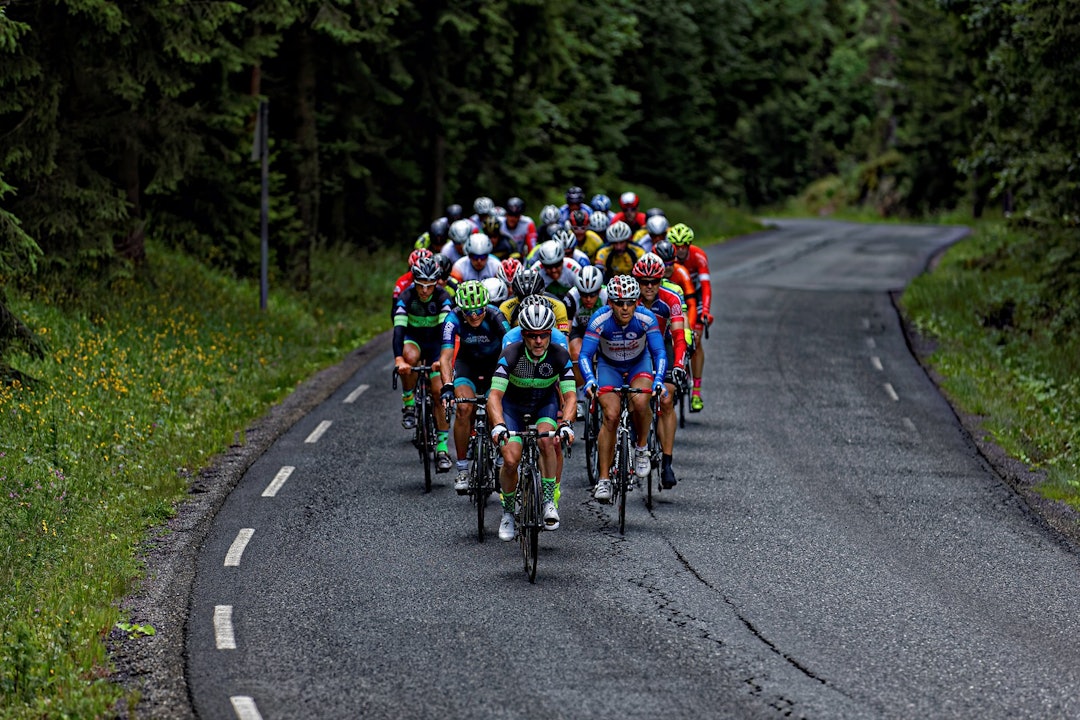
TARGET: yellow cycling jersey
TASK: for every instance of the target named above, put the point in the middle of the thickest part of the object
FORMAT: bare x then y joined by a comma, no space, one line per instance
591,244
620,263
562,320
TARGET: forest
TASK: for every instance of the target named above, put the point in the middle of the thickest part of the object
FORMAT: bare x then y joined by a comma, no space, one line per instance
120,121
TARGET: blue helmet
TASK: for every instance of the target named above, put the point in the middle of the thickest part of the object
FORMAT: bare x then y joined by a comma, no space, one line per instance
600,202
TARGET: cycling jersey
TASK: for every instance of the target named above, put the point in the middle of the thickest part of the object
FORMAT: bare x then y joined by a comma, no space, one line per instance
579,314
627,350
420,321
562,320
636,220
614,263
680,279
452,251
533,385
697,265
523,234
463,270
402,282
564,212
478,347
667,307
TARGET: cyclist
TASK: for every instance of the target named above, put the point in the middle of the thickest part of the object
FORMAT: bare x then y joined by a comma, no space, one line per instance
419,314
549,222
477,264
557,271
628,201
475,329
598,225
697,265
498,290
482,207
678,280
533,377
587,296
601,203
434,237
575,200
528,281
619,255
624,338
519,226
569,242
459,233
585,236
667,307
656,228
507,269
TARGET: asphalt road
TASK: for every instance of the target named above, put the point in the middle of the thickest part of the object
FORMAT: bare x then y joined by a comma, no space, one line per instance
836,546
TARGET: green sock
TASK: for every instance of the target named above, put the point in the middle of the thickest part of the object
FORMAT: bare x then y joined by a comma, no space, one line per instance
508,500
440,441
407,399
549,490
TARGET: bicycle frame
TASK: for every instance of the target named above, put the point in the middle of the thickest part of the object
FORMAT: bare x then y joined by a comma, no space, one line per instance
424,436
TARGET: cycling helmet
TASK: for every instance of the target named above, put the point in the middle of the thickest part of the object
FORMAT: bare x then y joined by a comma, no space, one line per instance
623,287
515,206
578,218
478,244
551,251
681,234
492,225
575,195
549,214
438,230
656,225
567,239
460,231
497,290
484,205
508,269
628,201
426,269
599,221
530,300
471,295
618,232
649,266
551,228
664,250
536,317
526,282
423,241
417,254
590,279
601,203
654,212
454,213
445,264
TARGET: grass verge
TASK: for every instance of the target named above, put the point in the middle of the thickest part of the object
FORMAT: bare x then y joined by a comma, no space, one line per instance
146,380
1003,351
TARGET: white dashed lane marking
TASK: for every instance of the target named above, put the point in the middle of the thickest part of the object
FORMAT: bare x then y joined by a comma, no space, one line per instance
876,362
279,480
223,629
244,707
891,392
356,393
232,558
318,432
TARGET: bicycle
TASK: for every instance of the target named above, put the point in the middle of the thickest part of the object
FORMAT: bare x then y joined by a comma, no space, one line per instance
424,436
622,469
482,454
593,419
656,453
529,515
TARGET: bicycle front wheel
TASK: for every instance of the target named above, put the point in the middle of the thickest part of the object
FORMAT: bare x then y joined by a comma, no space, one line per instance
427,437
592,447
529,491
623,480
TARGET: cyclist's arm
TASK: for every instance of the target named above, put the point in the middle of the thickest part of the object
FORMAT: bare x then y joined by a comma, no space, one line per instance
659,354
589,345
446,354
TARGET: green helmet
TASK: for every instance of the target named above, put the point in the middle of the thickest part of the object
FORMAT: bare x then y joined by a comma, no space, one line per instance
471,295
680,234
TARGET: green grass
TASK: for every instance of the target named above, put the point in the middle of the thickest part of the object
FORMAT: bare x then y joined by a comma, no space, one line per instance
1003,351
145,381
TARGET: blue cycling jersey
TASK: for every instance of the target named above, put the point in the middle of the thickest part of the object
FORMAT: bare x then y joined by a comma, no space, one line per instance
622,348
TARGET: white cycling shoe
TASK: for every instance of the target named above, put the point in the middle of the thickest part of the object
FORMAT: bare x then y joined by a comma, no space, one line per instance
551,516
602,492
642,462
506,527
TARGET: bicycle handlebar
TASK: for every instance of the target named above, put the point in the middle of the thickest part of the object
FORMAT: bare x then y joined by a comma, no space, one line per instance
415,369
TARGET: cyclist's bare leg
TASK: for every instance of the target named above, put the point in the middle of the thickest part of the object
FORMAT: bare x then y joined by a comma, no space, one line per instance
411,355
665,426
575,350
463,420
508,476
550,457
605,441
642,413
436,386
697,362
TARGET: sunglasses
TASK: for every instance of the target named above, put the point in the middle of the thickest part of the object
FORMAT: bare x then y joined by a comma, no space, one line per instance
624,303
537,335
426,285
648,281
477,257
475,312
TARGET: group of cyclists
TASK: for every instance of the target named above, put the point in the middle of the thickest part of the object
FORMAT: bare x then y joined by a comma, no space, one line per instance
545,317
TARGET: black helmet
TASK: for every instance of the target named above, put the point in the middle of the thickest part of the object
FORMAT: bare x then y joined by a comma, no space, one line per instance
526,282
575,195
454,212
653,212
515,206
445,264
439,229
426,269
664,249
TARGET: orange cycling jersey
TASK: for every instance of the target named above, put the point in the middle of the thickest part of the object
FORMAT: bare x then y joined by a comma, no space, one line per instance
697,265
681,278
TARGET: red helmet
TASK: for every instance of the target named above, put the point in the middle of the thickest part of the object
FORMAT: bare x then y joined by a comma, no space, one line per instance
508,269
417,254
628,201
649,266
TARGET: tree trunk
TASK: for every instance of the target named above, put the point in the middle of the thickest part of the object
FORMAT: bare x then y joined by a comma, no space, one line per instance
133,246
307,144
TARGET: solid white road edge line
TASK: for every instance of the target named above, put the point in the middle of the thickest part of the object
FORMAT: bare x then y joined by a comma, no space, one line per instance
356,393
244,707
232,558
279,480
223,630
318,432
892,393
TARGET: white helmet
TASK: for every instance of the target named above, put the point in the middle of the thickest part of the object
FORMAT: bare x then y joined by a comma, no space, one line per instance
656,225
484,205
549,214
461,230
598,222
536,317
618,232
590,279
566,238
478,244
498,291
550,252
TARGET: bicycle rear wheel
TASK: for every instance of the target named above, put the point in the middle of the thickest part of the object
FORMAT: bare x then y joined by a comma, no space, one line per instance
528,490
427,436
592,451
482,481
623,481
